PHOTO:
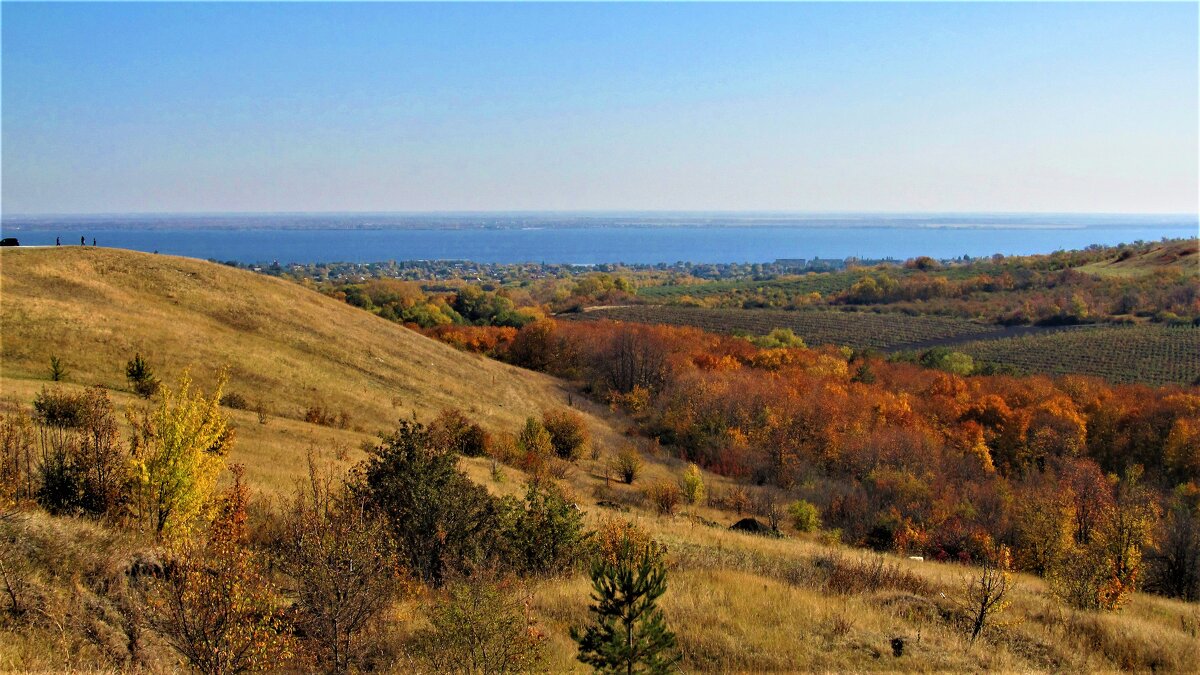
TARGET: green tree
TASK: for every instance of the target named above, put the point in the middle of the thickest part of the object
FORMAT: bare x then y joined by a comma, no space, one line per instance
805,516
546,533
949,361
534,439
535,447
440,521
141,377
569,434
778,338
58,415
628,634
864,374
84,466
58,372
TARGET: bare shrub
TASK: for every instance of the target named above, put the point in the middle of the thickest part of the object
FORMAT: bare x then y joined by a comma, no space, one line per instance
456,431
560,469
665,495
767,505
868,574
17,467
986,594
235,401
326,417
343,573
734,499
216,607
14,565
101,458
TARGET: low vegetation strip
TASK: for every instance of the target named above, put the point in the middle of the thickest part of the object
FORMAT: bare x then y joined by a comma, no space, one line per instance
1148,354
860,330
824,283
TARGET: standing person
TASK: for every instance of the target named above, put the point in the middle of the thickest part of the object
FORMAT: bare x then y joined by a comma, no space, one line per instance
93,241
82,241
58,241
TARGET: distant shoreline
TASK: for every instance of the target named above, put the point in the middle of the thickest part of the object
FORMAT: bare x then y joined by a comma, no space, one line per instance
581,245
588,220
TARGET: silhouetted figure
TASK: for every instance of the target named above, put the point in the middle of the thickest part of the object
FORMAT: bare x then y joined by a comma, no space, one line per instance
58,241
93,241
82,241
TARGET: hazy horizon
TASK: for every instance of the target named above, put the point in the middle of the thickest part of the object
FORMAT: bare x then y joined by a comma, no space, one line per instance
614,212
617,213
417,108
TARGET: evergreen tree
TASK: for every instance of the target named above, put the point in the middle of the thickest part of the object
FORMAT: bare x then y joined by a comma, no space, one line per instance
141,377
58,372
629,634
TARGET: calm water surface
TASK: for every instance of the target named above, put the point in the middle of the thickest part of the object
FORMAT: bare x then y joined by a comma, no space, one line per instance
589,245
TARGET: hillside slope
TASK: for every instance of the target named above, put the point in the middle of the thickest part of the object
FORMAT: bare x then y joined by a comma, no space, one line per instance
286,347
1183,256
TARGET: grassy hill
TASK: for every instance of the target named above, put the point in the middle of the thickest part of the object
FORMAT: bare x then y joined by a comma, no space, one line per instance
284,346
738,602
1179,255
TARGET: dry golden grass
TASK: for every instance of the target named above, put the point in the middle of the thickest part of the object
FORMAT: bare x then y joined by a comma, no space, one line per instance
283,345
1183,256
737,602
745,603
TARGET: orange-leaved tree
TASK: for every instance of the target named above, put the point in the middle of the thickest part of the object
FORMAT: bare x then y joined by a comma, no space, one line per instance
214,605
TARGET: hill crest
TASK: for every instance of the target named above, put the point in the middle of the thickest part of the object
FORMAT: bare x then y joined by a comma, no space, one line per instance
286,346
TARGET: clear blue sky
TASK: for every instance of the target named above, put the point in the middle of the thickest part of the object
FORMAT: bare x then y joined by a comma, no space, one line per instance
811,107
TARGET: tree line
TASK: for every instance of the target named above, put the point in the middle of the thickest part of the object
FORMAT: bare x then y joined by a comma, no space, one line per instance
1065,471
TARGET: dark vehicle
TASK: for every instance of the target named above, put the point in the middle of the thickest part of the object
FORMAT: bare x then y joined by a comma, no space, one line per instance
9,241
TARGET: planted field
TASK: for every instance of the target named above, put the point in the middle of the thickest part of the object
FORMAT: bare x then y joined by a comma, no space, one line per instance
1147,354
855,329
825,283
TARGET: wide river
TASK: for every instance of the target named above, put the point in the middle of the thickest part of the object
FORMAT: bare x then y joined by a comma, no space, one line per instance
596,244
